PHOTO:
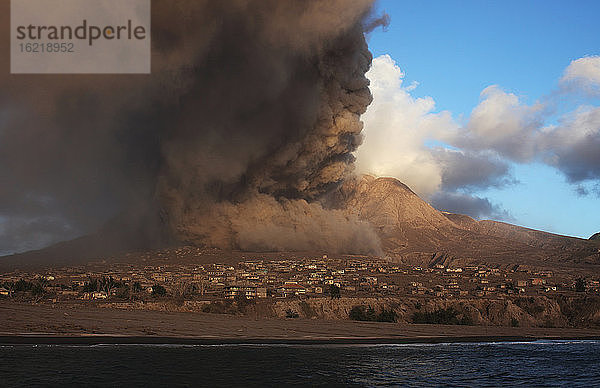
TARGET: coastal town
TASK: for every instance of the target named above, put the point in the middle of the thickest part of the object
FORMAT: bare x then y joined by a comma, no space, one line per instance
161,275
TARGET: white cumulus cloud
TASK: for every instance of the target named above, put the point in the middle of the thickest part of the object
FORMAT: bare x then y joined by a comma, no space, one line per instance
397,125
583,73
447,163
502,123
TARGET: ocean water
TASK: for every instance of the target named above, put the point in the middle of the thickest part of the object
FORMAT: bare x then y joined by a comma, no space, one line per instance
541,363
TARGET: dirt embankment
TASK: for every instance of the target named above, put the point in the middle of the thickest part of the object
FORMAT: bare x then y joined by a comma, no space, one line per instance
539,311
522,311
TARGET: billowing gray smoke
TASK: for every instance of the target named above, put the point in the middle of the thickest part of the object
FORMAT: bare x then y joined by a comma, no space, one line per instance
250,117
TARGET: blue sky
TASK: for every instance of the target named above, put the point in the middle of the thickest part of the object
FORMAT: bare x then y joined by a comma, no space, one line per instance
455,49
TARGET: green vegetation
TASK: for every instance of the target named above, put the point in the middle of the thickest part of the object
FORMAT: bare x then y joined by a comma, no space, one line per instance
105,283
137,287
530,305
35,288
307,310
220,307
158,290
334,291
242,303
510,286
514,322
291,314
448,316
238,305
580,285
362,313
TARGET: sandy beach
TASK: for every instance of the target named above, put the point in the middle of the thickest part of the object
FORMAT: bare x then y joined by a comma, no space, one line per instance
26,323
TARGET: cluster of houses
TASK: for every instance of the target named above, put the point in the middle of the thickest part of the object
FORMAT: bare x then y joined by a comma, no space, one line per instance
258,278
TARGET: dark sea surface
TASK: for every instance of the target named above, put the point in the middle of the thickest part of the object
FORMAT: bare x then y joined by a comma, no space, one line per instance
541,363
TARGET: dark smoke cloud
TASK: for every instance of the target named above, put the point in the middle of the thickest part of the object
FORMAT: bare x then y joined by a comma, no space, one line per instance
16,232
468,170
251,115
469,204
582,161
465,172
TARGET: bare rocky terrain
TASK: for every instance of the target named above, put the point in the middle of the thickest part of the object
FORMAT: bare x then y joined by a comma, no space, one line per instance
413,230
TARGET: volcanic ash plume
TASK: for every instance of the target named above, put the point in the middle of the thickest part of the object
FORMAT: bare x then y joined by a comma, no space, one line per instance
268,126
249,119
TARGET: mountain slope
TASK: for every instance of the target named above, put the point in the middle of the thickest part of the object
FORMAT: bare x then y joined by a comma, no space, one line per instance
413,230
399,216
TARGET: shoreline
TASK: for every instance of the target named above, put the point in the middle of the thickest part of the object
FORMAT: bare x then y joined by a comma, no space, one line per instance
99,339
86,325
